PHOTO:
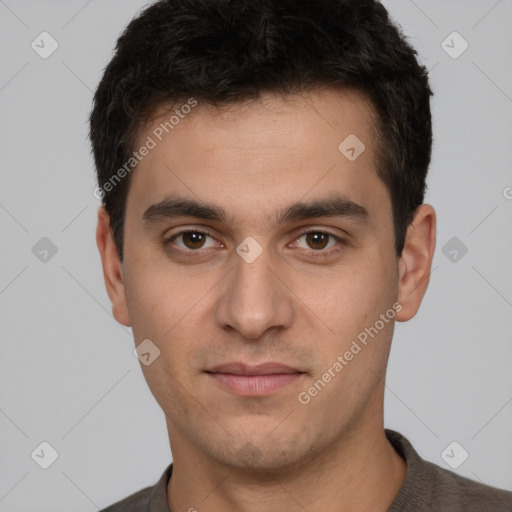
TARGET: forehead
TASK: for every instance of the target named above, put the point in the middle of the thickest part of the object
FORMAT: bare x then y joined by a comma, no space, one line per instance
271,121
291,114
257,155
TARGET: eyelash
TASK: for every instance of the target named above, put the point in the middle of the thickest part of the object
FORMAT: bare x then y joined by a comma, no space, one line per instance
315,254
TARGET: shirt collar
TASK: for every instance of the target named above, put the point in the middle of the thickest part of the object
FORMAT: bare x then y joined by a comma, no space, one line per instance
158,499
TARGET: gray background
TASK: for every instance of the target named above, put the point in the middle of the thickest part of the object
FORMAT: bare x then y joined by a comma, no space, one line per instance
68,374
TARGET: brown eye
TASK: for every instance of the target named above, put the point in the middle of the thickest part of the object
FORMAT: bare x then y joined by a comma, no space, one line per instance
320,244
317,240
190,241
193,239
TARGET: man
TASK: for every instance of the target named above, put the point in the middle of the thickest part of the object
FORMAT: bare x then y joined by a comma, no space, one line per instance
262,168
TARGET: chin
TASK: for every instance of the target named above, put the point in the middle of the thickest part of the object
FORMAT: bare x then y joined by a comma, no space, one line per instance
258,453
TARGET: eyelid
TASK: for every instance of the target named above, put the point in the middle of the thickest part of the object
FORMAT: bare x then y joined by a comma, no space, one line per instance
341,243
201,230
333,231
321,231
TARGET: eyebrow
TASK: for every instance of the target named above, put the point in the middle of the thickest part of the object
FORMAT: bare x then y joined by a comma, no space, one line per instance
332,206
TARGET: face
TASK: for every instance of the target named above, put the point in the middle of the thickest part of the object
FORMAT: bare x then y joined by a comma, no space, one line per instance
251,237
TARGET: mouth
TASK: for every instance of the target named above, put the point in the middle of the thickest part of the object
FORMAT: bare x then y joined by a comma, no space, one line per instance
249,380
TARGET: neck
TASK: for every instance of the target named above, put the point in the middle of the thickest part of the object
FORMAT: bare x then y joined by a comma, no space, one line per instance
361,472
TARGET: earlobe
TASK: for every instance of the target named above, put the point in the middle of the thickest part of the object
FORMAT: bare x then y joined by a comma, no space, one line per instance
416,261
112,268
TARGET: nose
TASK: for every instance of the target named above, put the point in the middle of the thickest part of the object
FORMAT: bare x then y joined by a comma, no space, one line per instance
255,298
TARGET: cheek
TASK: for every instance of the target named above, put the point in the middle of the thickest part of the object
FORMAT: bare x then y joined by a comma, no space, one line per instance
150,308
350,305
158,298
172,313
167,318
353,294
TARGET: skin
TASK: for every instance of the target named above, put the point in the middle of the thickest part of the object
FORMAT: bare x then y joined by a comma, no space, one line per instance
289,305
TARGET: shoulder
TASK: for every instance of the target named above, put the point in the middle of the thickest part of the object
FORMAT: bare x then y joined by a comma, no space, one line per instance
456,492
150,499
137,502
428,486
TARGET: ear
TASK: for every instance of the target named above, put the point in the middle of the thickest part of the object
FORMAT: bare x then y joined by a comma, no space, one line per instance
416,261
112,268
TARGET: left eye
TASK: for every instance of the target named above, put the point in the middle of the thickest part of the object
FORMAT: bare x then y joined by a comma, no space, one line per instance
318,240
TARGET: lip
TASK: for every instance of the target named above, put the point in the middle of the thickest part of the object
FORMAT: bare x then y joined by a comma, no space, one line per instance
269,368
249,380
